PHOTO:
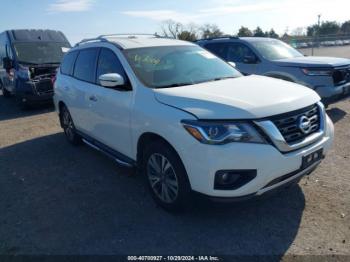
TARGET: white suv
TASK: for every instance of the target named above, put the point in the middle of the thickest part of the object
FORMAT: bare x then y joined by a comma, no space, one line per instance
188,120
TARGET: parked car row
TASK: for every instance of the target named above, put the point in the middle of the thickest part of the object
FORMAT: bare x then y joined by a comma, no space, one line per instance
190,117
309,44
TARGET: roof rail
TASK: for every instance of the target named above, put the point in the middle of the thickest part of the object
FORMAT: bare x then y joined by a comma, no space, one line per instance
103,38
218,38
88,40
130,35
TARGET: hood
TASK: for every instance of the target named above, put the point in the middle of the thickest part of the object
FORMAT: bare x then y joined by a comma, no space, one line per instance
248,97
313,61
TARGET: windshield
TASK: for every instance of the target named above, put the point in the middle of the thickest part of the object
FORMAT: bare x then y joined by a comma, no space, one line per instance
275,49
40,52
169,66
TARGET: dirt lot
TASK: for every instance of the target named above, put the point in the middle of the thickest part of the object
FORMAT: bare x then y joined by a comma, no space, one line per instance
60,199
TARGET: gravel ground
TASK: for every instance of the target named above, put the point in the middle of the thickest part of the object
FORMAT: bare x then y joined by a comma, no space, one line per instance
60,199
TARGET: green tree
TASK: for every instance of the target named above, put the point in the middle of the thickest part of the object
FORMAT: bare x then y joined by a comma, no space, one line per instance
187,36
244,31
326,28
312,30
345,27
329,28
210,31
273,34
258,32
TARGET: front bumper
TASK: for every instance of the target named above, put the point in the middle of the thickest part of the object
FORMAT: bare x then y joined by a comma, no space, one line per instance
332,94
293,178
203,161
28,92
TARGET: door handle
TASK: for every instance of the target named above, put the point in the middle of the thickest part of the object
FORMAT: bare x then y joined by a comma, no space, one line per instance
93,98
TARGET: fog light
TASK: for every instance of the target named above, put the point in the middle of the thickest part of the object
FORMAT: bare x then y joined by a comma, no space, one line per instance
233,179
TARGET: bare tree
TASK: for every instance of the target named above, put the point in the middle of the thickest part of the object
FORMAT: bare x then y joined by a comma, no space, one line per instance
171,28
210,30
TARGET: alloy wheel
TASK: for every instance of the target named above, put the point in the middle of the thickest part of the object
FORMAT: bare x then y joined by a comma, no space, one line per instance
162,178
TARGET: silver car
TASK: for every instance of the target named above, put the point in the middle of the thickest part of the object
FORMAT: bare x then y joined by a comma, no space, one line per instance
328,76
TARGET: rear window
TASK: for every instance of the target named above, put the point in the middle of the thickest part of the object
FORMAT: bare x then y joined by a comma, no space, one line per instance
68,63
85,66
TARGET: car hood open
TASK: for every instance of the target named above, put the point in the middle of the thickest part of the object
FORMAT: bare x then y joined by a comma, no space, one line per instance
313,61
249,97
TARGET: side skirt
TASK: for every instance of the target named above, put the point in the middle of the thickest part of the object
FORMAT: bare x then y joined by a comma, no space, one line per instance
120,158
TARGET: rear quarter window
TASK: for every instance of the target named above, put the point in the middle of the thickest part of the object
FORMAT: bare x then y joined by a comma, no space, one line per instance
68,63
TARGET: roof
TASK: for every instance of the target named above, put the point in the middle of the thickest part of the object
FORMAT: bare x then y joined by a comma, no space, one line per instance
257,39
137,41
227,39
36,35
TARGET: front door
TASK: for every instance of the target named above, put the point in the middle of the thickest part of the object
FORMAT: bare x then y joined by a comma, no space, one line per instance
111,107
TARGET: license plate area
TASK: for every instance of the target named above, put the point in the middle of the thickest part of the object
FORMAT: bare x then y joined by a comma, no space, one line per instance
312,158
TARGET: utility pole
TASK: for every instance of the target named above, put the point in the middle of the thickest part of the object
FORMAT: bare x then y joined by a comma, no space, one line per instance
316,37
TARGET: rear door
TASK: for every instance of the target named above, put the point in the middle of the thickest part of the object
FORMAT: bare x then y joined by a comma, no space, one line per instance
111,107
80,90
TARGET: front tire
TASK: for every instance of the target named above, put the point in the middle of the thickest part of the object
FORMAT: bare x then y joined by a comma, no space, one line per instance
68,127
166,177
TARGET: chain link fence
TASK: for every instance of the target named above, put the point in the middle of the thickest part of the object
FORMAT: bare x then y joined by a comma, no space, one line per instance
330,45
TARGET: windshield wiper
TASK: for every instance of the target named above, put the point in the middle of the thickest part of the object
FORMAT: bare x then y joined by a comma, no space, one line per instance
174,85
222,78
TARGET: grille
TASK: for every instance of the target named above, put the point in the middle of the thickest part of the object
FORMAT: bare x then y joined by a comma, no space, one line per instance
44,86
289,124
341,75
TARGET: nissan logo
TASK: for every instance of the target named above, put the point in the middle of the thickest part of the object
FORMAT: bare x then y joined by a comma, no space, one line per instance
305,124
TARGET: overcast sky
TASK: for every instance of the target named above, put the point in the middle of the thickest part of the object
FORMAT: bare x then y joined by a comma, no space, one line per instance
87,18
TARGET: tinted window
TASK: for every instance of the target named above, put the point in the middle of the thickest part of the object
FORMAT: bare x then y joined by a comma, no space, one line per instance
86,64
237,53
108,62
68,63
233,52
218,49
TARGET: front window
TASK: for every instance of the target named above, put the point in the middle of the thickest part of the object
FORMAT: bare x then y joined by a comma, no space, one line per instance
40,52
275,49
170,66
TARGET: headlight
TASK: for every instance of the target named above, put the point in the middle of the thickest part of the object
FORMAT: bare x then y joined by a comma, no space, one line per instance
218,133
317,72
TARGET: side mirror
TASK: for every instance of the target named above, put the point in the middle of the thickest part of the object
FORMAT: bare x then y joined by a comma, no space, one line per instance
7,63
111,80
249,59
233,64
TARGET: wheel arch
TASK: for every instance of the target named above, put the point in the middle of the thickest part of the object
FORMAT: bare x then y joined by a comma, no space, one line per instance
147,138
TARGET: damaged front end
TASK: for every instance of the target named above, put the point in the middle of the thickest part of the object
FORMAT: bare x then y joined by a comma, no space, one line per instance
34,82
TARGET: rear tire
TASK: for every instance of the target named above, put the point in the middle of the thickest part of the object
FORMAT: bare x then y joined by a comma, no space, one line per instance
166,177
68,126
